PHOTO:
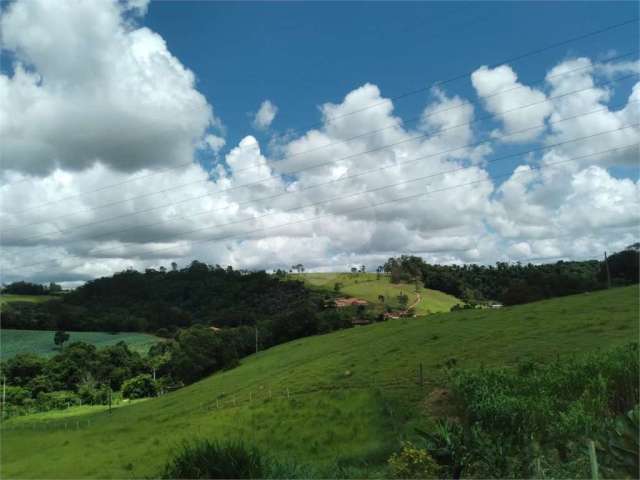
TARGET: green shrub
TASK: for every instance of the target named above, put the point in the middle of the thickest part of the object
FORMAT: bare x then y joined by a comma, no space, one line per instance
139,387
619,446
92,394
556,402
535,418
59,399
212,459
17,395
413,462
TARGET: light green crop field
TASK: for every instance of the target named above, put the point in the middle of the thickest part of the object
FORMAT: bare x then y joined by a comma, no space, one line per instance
353,394
8,298
40,342
368,287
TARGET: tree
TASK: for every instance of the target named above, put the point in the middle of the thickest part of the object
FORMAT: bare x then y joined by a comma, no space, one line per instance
60,337
403,299
298,268
24,288
21,369
336,287
139,387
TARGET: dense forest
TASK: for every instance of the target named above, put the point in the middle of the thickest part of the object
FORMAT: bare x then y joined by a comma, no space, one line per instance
161,301
210,317
514,284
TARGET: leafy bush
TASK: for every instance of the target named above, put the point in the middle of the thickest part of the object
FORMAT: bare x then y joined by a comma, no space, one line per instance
60,399
536,418
413,462
554,402
212,459
139,387
92,394
17,395
619,446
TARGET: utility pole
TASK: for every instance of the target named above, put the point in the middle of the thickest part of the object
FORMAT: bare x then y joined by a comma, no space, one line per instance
606,265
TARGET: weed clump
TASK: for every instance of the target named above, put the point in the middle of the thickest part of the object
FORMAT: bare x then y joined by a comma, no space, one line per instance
213,459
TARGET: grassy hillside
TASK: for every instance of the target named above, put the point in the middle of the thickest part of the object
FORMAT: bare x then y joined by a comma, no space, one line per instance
41,341
368,287
352,394
8,298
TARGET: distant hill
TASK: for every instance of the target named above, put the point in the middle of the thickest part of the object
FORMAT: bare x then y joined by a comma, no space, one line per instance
347,396
369,287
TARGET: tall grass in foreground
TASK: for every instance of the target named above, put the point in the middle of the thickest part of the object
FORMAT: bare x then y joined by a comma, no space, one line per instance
213,459
535,420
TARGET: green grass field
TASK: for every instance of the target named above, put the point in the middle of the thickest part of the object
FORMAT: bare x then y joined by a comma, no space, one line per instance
368,287
8,298
353,393
40,342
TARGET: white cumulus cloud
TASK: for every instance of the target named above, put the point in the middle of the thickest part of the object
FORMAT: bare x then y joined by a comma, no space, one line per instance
265,115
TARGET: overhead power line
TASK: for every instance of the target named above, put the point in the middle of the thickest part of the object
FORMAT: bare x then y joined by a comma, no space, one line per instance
460,76
331,182
348,211
318,165
396,97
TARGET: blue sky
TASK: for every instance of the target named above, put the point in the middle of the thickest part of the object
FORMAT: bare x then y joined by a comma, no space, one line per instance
300,55
109,110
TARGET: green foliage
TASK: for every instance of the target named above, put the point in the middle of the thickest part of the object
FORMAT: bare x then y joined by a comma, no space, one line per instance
199,351
403,300
154,299
212,459
25,288
22,368
60,337
619,446
413,462
511,283
78,368
57,400
17,395
139,387
448,444
93,394
624,267
338,416
555,406
555,401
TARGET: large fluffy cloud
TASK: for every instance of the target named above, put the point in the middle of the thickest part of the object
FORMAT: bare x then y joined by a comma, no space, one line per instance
96,104
89,86
521,107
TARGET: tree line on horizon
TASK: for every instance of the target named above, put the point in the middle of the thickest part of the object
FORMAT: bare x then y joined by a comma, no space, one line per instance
513,284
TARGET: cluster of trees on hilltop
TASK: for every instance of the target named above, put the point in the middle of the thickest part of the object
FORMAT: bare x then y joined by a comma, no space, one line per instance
164,300
28,288
516,283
